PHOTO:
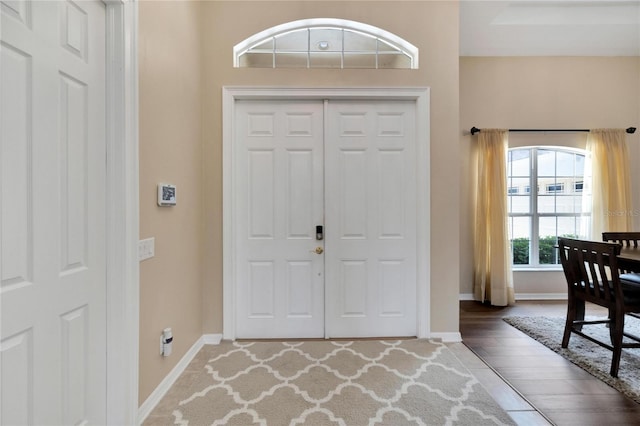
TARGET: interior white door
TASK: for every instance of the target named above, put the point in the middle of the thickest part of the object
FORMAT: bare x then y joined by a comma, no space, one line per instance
370,212
279,202
53,332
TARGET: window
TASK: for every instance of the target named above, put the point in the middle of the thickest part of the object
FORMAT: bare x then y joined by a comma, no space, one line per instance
325,43
545,209
512,190
555,187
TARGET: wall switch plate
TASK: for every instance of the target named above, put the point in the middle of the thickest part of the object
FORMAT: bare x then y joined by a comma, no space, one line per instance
146,248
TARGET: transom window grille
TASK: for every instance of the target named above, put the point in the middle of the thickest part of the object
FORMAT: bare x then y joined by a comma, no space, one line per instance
325,43
547,198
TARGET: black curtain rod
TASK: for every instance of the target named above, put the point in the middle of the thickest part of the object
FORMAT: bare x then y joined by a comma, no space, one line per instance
475,130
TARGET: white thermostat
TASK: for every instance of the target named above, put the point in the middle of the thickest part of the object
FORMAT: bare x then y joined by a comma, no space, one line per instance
166,194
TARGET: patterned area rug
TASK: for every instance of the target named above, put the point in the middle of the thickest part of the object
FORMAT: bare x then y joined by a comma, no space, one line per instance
370,382
589,356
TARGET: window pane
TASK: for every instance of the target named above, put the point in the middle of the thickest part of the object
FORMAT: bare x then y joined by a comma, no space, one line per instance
357,42
519,164
547,226
257,60
291,60
546,204
583,226
295,40
325,40
568,227
356,60
520,231
565,164
546,162
325,59
265,45
547,254
567,204
586,203
393,60
579,165
518,186
520,204
386,47
578,204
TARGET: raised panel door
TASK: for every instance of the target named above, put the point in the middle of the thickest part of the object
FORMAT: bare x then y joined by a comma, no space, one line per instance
52,257
279,178
370,211
351,167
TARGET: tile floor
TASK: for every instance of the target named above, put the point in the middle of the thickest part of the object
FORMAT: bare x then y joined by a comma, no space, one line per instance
533,384
540,387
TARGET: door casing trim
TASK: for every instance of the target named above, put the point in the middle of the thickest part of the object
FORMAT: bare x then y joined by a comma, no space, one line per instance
122,212
420,95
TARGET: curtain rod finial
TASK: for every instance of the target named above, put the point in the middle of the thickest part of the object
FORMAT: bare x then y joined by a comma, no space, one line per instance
474,130
631,130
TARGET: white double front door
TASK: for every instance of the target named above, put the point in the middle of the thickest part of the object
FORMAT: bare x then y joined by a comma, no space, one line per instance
325,214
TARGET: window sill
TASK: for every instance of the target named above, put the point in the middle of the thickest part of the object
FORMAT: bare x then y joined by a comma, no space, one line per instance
531,269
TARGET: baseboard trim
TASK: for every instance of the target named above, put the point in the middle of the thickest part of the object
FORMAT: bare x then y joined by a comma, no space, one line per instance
541,296
150,403
524,296
212,339
447,337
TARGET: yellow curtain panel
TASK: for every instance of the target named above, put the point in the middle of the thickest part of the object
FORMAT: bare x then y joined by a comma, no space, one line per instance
612,206
493,277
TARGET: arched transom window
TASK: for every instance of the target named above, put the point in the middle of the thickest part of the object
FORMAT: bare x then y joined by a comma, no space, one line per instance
325,43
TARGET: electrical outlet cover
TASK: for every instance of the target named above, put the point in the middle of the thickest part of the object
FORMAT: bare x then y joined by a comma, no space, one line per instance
146,249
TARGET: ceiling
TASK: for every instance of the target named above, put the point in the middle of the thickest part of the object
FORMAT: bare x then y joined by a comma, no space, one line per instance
550,28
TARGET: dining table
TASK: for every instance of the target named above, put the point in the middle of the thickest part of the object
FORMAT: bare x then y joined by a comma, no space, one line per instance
629,259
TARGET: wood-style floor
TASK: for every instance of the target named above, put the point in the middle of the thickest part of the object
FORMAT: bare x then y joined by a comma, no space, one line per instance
541,386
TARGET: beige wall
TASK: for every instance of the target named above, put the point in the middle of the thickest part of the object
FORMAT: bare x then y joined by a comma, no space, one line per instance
185,60
170,152
432,27
543,92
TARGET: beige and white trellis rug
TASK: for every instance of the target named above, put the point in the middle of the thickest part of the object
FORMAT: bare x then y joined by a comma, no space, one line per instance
369,382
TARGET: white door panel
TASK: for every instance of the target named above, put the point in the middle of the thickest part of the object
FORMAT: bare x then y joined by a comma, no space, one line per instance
350,166
280,279
52,213
370,212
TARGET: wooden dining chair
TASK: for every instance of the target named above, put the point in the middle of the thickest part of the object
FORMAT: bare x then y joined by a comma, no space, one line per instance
631,239
591,271
628,277
627,240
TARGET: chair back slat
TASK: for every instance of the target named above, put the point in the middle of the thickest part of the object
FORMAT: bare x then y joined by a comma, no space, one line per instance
592,261
627,239
591,269
608,288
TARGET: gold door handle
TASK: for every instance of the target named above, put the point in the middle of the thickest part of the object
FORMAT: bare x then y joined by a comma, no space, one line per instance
318,250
